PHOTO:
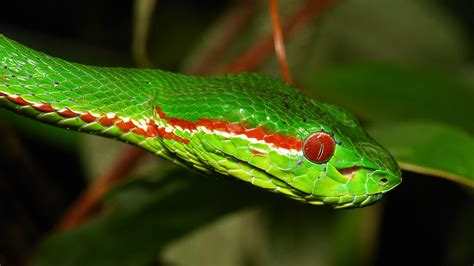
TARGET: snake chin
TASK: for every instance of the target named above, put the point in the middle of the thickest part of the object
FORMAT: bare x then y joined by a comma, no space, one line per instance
347,201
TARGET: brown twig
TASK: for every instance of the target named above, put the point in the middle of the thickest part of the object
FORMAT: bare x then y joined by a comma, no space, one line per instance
87,203
278,41
234,23
255,55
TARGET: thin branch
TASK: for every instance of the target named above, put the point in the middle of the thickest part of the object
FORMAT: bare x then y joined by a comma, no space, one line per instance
87,203
234,23
278,41
255,55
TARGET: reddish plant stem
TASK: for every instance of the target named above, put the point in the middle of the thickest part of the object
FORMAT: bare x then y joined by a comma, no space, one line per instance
278,41
255,55
234,23
91,198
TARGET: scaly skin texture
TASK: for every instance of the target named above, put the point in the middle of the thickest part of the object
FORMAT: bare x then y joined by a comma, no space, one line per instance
249,126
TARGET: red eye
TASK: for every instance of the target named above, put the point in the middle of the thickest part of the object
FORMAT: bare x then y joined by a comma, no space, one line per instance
319,147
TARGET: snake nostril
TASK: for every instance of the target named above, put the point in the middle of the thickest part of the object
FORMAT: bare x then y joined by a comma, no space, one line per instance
383,181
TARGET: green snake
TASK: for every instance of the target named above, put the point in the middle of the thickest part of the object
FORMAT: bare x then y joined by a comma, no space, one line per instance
249,126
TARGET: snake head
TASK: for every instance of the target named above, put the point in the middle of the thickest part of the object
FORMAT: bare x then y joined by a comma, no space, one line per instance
339,164
364,169
287,143
332,161
357,173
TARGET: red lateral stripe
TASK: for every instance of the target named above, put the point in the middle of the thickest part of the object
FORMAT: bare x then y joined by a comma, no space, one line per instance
107,122
255,133
259,133
235,129
88,118
125,126
152,130
171,136
139,131
18,100
45,107
67,113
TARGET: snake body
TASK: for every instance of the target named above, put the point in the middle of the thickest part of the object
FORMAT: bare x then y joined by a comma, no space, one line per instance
248,126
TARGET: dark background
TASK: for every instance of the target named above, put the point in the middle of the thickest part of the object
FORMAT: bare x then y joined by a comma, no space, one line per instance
33,196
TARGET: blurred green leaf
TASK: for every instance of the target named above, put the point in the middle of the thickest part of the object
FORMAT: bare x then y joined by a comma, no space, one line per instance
384,93
309,235
429,148
356,236
300,234
373,31
142,217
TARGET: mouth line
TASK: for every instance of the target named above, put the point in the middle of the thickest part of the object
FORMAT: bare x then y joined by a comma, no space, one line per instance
349,172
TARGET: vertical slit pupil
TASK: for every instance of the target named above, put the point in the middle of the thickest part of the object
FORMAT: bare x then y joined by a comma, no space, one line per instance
321,151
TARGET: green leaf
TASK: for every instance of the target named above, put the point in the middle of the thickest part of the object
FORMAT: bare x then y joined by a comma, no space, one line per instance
382,93
372,31
308,235
429,148
141,217
356,236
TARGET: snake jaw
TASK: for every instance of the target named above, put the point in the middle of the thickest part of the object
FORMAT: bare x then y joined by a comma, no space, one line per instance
360,201
353,186
345,201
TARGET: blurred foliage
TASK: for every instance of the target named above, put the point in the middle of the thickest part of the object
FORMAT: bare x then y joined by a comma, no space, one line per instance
141,217
378,93
403,67
144,215
388,97
435,149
